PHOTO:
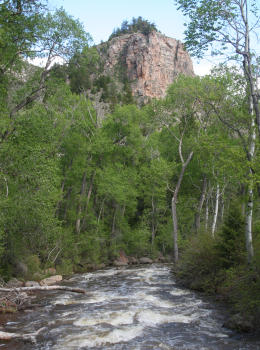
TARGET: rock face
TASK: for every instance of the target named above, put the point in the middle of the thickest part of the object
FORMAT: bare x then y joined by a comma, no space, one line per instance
150,62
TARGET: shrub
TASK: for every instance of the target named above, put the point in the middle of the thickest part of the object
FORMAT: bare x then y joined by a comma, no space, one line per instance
199,266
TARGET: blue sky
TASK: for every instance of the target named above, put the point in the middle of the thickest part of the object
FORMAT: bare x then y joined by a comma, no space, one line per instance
100,17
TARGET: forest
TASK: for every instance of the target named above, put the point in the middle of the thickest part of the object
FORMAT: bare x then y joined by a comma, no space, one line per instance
178,177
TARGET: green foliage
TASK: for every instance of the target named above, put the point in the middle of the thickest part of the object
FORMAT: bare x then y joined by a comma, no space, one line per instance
231,240
136,25
199,264
138,241
81,69
20,30
34,265
241,288
62,36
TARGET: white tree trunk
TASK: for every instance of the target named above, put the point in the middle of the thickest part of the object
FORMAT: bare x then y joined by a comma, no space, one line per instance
248,231
214,223
250,200
201,202
174,205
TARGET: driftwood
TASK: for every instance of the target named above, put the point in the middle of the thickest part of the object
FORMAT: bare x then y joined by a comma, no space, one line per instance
28,337
42,288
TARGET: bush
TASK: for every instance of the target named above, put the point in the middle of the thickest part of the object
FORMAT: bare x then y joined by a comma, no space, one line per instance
199,267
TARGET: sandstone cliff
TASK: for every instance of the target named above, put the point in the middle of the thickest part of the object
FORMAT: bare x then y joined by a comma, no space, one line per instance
150,63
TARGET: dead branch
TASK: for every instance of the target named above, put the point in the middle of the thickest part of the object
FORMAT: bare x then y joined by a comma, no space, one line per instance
43,288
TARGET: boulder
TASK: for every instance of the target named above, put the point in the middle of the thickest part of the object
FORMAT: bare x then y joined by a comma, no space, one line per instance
51,280
119,263
31,284
133,260
145,260
122,257
14,283
50,271
239,323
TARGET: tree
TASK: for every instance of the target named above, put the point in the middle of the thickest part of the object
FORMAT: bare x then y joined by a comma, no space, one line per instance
180,116
20,29
58,36
137,25
227,26
230,23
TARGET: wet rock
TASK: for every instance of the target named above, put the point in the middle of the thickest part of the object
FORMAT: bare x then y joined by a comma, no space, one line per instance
145,260
14,283
31,284
119,263
50,271
239,323
51,280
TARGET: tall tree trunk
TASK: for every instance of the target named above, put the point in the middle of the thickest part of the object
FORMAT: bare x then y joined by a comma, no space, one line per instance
207,213
153,221
247,66
114,223
249,220
214,223
67,197
253,107
174,205
250,199
82,192
100,214
88,198
201,202
222,208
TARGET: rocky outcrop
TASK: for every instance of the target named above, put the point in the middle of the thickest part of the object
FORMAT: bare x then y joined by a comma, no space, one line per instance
149,62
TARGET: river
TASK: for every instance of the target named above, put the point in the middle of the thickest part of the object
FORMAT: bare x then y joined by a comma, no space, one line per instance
127,309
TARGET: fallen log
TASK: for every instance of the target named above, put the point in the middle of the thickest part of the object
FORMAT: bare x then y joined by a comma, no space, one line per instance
29,337
43,288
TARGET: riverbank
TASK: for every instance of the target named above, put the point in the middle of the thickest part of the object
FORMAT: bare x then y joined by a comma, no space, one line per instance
203,267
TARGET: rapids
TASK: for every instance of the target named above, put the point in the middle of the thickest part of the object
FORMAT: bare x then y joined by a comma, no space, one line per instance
127,309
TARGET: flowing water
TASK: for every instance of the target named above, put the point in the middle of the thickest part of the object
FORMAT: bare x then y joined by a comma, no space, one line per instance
127,309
